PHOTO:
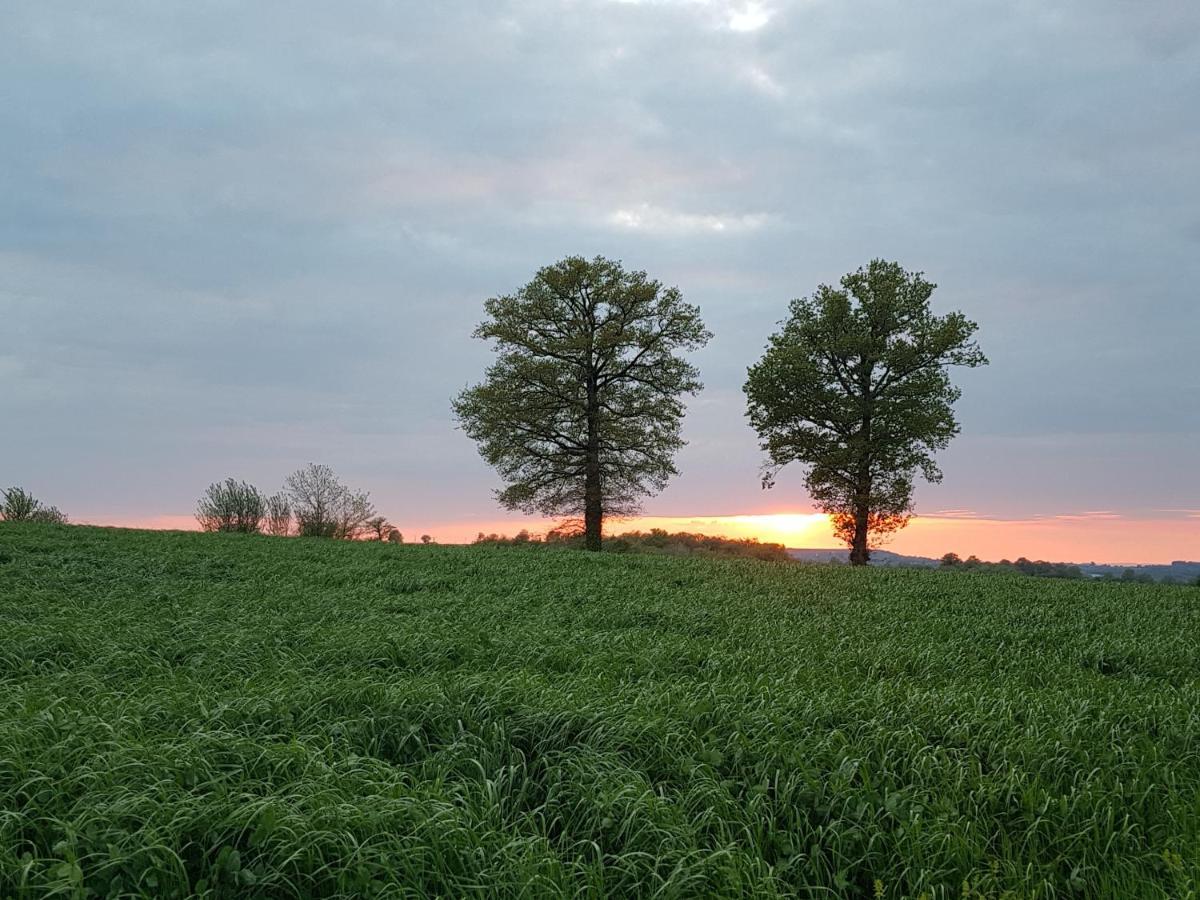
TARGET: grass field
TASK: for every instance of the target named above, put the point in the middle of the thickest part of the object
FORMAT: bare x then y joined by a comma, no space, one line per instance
229,716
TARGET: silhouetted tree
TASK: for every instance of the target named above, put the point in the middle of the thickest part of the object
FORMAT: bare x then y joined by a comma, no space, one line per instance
278,515
356,512
324,507
231,505
18,505
855,386
581,411
315,496
950,560
426,539
395,537
381,528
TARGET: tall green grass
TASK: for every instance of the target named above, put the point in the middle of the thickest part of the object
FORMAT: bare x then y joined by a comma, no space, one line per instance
221,715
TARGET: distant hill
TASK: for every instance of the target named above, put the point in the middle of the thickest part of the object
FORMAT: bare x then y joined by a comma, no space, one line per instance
1180,571
878,558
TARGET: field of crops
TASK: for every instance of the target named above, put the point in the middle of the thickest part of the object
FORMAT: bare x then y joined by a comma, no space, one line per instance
222,715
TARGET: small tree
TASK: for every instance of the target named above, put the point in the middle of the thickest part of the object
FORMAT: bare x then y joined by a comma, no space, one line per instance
324,507
855,385
354,515
426,539
279,515
581,411
231,505
380,528
18,505
395,537
315,496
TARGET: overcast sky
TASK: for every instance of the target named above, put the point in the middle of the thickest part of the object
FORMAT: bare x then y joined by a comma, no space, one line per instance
236,237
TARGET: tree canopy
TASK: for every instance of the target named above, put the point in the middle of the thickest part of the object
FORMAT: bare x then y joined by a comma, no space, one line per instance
855,386
324,507
581,411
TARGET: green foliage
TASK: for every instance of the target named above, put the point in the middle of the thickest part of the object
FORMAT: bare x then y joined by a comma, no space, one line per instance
18,505
233,506
580,414
1129,576
656,540
682,543
1036,568
855,387
185,714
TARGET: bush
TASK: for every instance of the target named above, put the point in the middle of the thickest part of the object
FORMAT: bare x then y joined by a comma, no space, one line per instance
682,543
279,515
49,515
18,505
657,540
231,505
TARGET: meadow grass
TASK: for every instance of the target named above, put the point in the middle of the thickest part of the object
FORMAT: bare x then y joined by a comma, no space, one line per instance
221,715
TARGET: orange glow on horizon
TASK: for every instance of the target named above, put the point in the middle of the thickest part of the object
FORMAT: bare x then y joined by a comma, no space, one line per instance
1100,536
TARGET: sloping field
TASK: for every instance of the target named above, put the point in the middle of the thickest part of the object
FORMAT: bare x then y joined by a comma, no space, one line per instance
227,716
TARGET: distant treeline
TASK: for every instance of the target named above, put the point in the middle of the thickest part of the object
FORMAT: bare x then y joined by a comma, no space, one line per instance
1036,568
1042,569
656,540
313,503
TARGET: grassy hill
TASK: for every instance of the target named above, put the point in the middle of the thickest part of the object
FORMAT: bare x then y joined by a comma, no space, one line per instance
227,716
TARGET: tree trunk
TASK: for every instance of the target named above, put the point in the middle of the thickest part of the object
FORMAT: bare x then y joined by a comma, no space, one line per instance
593,502
860,555
593,509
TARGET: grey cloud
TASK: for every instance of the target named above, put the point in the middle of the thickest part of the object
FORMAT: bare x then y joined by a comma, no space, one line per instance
240,236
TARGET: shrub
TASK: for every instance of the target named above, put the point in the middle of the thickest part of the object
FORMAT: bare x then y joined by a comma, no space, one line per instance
279,515
231,505
49,515
18,505
682,543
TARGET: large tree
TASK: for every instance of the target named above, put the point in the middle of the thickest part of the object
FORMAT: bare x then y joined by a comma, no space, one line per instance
855,386
580,413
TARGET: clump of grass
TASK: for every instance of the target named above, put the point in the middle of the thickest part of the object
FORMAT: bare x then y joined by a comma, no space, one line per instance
223,715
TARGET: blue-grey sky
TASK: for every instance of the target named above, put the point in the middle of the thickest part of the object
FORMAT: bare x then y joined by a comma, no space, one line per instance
236,237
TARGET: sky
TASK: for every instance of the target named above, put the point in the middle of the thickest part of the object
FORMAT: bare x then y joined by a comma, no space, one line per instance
236,238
